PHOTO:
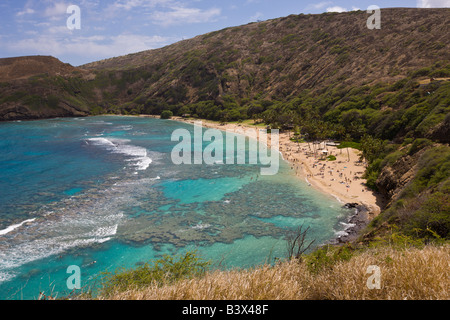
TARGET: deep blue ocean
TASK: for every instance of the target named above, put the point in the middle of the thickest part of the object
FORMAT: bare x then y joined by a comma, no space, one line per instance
102,193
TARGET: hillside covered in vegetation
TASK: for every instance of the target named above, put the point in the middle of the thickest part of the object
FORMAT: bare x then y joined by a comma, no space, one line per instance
239,72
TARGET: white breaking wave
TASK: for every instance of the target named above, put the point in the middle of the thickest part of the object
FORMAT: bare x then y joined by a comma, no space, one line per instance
15,226
337,198
104,232
125,127
5,276
138,154
341,233
79,222
76,234
101,122
348,225
102,141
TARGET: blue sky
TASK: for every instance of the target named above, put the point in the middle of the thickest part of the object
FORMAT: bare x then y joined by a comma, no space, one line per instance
118,27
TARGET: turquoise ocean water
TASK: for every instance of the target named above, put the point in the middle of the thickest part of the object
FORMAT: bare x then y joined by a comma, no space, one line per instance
102,193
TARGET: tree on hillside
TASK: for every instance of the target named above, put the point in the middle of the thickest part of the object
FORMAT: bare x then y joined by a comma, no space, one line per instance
166,114
371,147
348,139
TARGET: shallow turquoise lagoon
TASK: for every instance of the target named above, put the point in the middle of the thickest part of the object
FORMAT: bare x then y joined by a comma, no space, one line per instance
102,193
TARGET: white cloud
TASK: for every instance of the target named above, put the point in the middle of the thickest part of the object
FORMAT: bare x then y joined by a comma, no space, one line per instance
57,10
127,5
163,12
181,15
43,24
59,30
88,46
31,32
256,16
433,3
318,6
25,11
129,43
101,36
336,9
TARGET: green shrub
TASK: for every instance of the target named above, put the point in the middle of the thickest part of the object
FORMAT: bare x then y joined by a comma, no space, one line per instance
289,38
441,73
318,35
349,144
297,140
407,141
327,256
434,166
53,101
391,158
166,114
419,144
371,179
96,110
432,220
337,49
342,58
397,240
167,270
421,72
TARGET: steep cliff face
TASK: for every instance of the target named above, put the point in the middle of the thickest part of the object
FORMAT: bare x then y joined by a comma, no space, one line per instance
38,99
418,184
441,132
18,111
393,178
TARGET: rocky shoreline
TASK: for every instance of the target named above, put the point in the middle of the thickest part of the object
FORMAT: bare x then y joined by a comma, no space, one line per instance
356,222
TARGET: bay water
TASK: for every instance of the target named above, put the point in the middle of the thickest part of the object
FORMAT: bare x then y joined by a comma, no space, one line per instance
102,193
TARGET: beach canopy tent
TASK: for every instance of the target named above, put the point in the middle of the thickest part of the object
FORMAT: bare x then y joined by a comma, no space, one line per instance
324,151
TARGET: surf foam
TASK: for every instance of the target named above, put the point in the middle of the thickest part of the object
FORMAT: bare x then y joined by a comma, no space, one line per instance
138,154
15,226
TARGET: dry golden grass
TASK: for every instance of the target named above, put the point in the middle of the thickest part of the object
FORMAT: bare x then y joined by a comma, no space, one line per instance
427,81
405,274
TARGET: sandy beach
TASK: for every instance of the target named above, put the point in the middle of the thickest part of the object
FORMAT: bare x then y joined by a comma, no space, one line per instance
341,178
